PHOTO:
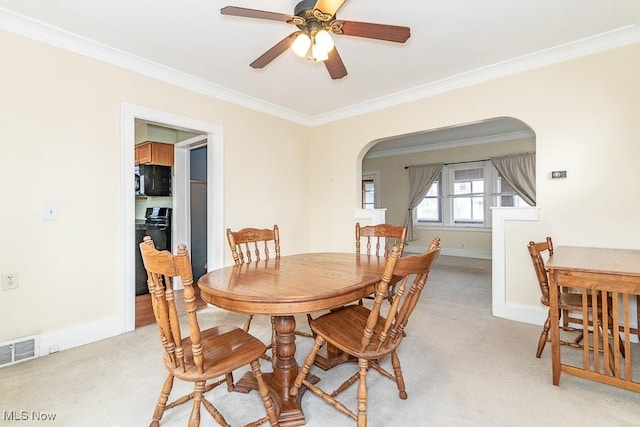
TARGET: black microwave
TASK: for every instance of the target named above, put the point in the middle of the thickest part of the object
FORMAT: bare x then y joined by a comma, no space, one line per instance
153,180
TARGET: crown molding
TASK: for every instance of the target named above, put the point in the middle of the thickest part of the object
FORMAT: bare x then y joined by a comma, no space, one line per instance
601,42
62,39
36,30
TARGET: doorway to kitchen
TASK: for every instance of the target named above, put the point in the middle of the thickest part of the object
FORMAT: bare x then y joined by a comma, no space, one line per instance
210,136
184,157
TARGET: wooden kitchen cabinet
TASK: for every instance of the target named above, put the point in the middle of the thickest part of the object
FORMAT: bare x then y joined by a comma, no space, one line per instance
154,153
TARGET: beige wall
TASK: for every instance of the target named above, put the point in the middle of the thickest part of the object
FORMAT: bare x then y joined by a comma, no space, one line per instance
394,192
61,143
584,113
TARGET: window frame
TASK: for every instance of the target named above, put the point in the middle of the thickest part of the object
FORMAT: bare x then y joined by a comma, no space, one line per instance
375,177
365,204
517,201
449,199
438,198
446,199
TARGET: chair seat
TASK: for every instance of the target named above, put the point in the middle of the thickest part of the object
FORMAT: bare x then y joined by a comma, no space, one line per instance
226,348
573,301
351,320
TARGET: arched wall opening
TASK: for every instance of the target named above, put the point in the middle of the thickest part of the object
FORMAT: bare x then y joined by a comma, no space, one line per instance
386,159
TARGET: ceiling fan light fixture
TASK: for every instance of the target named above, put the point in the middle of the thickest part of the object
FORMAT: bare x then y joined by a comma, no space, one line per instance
315,21
301,45
323,41
318,54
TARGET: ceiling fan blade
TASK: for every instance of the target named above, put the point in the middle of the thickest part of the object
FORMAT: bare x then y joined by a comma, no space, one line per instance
334,65
253,13
329,7
392,33
274,52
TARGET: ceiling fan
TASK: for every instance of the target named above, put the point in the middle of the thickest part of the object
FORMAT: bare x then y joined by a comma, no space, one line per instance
316,21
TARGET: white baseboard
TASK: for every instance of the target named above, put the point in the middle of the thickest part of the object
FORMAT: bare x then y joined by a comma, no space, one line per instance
533,315
63,339
464,253
522,313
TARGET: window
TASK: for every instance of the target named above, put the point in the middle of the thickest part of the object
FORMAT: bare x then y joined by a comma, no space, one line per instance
462,195
430,209
468,196
506,195
368,194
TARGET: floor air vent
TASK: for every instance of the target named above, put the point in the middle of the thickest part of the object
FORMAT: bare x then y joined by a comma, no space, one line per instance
19,350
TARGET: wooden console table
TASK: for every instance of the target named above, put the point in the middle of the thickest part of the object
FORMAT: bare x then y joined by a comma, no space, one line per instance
598,273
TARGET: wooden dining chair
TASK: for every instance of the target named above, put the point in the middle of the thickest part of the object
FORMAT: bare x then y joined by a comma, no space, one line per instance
252,245
378,240
568,302
367,334
204,355
435,243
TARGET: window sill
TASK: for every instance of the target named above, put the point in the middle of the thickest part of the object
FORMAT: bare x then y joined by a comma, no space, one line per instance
453,228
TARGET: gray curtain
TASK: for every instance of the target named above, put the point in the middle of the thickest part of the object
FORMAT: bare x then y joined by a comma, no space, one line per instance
420,179
520,172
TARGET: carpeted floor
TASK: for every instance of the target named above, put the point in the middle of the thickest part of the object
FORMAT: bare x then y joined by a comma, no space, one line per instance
462,367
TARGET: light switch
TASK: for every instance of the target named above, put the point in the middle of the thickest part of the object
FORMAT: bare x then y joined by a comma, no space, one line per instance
50,212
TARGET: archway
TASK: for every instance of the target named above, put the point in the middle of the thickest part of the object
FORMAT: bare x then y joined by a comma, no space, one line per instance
473,142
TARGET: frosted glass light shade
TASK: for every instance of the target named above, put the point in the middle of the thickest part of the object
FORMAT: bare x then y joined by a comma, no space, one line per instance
318,54
323,41
301,44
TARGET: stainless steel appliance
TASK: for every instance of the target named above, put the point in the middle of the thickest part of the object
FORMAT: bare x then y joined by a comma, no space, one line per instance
153,180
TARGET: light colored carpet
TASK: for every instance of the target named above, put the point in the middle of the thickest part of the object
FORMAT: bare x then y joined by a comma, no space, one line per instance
462,367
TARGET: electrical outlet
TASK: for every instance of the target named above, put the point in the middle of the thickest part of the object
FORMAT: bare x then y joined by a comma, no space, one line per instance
9,281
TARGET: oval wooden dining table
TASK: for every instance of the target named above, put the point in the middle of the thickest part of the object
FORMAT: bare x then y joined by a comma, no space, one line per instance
284,287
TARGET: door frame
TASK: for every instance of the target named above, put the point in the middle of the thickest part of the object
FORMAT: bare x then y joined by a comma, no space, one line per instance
181,221
215,193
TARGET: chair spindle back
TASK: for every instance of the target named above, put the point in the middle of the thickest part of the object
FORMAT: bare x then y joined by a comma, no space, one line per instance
252,244
381,238
535,250
415,267
161,266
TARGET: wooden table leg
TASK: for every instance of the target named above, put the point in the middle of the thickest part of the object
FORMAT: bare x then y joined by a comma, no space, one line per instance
329,356
284,373
555,326
638,317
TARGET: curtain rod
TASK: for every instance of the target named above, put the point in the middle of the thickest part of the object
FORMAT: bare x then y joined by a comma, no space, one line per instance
457,163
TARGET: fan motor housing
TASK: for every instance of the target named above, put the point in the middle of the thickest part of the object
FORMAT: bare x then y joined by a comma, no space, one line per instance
312,20
304,9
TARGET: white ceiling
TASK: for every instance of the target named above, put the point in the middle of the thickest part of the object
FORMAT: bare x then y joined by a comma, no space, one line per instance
453,43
